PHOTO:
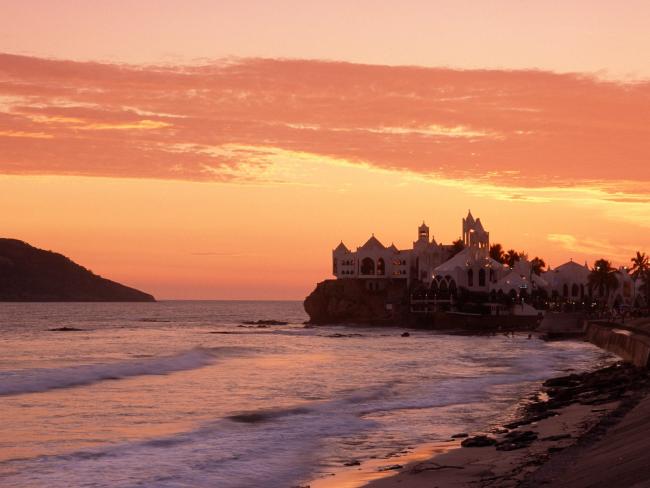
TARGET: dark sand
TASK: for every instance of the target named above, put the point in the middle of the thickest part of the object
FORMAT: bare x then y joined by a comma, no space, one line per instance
598,435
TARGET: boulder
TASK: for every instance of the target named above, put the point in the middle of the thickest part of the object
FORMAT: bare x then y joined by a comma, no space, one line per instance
479,441
462,435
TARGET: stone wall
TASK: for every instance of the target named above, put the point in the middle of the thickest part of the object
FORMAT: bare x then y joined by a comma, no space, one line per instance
631,345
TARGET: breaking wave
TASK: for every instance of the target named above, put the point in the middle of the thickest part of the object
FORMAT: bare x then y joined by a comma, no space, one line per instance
42,379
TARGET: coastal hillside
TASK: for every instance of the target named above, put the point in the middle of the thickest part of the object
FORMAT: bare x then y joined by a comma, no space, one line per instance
31,274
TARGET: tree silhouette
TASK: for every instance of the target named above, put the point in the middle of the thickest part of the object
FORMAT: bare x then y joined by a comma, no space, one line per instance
641,270
512,257
496,253
603,279
537,265
457,246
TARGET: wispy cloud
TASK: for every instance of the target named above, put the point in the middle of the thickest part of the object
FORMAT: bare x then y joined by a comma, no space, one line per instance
518,130
592,247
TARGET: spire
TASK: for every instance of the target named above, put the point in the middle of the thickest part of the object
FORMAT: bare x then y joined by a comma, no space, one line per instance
341,248
469,218
423,232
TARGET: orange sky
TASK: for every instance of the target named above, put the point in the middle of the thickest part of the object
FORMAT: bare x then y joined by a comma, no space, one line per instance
235,177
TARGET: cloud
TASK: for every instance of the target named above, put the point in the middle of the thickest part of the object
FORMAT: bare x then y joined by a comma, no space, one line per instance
503,129
19,133
592,247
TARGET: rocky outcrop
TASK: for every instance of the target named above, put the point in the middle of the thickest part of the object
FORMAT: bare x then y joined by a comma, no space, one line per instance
31,274
352,301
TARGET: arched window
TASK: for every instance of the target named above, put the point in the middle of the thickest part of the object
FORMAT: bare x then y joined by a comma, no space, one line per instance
582,291
381,266
470,277
367,266
575,290
452,288
481,277
444,290
492,280
434,286
565,291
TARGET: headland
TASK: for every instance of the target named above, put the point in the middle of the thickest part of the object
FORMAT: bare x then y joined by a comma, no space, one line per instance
29,274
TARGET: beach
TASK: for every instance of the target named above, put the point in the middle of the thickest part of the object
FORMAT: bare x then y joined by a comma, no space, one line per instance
586,430
174,394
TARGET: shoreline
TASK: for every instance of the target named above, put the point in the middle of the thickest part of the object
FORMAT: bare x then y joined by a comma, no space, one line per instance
568,417
528,409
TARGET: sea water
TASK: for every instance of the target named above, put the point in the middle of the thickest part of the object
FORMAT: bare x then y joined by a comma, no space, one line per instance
184,394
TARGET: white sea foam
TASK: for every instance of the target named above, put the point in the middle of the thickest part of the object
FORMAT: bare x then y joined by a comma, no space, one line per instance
42,379
305,405
273,448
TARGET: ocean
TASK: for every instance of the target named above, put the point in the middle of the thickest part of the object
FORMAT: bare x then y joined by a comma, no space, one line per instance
183,394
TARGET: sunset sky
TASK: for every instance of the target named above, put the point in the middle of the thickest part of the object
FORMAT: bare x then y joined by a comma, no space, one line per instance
222,149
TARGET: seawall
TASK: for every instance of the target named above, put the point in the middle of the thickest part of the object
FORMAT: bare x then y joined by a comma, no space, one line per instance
630,341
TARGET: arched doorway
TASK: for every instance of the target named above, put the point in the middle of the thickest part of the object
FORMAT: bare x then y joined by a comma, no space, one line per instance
367,266
575,290
444,290
434,287
452,288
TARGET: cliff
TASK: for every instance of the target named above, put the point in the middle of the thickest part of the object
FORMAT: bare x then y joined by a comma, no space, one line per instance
31,274
350,301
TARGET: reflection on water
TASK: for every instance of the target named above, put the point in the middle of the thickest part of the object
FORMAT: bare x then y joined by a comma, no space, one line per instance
149,394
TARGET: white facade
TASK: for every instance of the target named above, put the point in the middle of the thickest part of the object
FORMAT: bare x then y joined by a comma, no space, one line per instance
372,260
423,261
433,265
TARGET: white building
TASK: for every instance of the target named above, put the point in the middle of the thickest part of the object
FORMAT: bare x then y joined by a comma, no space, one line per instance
427,261
438,270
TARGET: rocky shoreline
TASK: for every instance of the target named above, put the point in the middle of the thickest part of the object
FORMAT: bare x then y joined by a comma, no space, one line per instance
567,416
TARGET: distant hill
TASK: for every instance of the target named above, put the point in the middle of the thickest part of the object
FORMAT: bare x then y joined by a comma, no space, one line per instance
31,274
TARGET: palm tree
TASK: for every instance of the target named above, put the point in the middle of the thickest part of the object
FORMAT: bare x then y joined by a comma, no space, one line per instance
537,265
457,246
496,253
603,278
641,270
512,257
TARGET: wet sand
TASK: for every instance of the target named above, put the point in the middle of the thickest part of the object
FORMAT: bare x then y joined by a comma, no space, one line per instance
582,431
